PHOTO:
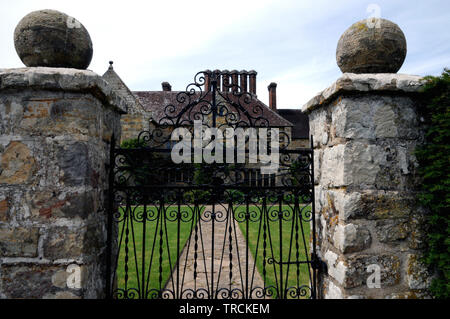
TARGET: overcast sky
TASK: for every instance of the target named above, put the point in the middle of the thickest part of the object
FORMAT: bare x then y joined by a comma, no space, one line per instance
292,43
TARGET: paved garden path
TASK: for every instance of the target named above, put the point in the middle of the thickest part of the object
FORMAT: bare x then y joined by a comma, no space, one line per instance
221,251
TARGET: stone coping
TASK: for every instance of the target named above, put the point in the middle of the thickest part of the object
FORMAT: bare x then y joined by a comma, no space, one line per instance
62,79
351,82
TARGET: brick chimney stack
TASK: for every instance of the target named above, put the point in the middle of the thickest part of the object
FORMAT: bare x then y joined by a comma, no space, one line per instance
272,96
166,86
231,80
243,78
252,79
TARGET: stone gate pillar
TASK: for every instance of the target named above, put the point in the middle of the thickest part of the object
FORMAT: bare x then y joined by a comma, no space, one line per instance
56,130
366,129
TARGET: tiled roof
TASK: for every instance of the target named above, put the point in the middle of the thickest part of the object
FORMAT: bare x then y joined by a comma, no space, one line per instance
157,101
300,121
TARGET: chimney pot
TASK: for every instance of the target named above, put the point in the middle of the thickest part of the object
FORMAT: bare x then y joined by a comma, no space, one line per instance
252,81
272,96
207,74
243,80
234,80
166,86
225,81
217,75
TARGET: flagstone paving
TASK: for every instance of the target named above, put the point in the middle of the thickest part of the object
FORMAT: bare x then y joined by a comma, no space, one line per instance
210,261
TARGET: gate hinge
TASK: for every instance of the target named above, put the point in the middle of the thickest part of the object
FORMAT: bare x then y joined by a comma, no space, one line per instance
318,264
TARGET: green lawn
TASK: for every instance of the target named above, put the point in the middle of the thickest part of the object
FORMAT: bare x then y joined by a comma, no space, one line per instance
293,242
144,276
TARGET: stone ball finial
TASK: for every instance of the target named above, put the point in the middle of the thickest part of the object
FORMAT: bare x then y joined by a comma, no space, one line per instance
371,45
53,39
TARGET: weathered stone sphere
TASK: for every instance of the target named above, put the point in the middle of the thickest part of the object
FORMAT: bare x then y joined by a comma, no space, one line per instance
371,46
53,39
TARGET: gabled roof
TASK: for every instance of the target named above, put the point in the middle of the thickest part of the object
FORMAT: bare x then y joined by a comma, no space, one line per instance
300,121
114,80
157,101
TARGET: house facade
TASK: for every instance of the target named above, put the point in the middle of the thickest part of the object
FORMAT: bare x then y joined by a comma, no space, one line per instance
152,115
147,109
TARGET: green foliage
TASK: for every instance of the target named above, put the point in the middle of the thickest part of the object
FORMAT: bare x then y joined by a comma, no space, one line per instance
435,172
132,143
202,176
141,168
136,165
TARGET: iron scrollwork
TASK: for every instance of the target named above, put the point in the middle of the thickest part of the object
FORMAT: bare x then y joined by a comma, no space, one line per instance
171,222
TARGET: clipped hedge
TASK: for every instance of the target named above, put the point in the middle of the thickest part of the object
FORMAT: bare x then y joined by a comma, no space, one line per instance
434,161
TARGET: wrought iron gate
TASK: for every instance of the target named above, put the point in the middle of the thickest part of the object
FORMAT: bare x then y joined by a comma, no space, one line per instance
210,230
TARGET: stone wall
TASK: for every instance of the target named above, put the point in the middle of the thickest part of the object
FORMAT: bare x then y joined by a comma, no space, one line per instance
133,125
366,129
56,128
